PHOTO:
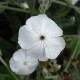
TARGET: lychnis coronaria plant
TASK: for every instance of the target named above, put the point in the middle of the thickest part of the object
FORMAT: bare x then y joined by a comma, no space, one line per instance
40,39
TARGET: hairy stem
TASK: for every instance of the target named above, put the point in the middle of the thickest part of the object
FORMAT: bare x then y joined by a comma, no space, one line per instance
77,72
14,9
77,9
4,63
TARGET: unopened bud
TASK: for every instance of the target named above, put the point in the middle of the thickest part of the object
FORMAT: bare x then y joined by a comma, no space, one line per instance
74,61
58,67
24,5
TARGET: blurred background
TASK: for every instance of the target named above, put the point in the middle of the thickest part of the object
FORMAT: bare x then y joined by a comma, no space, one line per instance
66,13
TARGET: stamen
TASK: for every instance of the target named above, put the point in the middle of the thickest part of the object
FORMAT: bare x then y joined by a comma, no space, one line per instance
42,37
25,63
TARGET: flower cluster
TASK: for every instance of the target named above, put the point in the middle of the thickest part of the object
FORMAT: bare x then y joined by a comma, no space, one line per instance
40,40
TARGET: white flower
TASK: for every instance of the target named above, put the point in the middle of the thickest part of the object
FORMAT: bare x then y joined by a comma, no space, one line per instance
22,64
41,36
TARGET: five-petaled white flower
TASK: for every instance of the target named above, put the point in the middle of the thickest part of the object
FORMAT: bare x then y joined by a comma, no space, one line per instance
22,64
41,37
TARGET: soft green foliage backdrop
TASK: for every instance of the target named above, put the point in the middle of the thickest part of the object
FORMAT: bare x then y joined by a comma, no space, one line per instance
66,15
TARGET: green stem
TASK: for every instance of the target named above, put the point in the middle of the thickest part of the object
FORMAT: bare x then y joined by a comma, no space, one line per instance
34,3
71,36
4,63
31,11
77,72
38,70
2,3
72,56
14,9
38,75
27,77
44,6
77,9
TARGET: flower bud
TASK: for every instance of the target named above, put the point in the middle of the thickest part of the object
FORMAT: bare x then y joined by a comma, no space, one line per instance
24,5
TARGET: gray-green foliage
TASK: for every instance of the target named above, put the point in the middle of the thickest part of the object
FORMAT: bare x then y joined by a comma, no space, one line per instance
66,15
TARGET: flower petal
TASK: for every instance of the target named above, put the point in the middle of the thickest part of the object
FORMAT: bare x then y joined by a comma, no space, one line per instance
37,22
52,29
14,65
26,70
37,51
54,47
43,58
19,55
31,61
26,37
29,67
41,24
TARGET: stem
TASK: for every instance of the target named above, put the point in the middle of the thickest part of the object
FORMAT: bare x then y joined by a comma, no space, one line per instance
72,56
2,3
14,9
31,11
71,36
77,9
44,6
38,75
77,72
4,63
34,3
26,77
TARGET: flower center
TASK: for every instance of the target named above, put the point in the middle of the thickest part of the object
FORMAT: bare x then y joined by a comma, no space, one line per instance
42,37
25,63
